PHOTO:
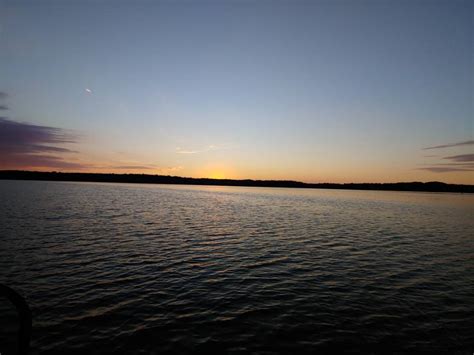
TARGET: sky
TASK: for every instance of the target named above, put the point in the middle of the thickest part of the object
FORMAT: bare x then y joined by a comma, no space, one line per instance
315,91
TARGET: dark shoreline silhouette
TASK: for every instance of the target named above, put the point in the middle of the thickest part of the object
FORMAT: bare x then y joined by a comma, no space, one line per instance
433,186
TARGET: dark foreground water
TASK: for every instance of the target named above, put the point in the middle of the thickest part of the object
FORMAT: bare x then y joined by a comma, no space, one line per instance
156,269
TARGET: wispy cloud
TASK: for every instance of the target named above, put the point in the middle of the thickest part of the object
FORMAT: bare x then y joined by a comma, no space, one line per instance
39,161
458,163
25,145
462,165
30,138
440,169
181,151
461,158
3,107
471,142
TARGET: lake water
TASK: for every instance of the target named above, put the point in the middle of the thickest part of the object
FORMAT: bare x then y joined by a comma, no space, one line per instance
193,269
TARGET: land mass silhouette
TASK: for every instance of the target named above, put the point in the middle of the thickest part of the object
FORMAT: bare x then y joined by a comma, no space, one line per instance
433,186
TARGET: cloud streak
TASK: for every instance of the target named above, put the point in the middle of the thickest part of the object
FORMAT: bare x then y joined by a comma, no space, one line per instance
25,145
461,158
179,151
458,144
440,169
458,163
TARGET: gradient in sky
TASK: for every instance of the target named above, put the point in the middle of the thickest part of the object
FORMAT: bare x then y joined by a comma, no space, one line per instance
340,91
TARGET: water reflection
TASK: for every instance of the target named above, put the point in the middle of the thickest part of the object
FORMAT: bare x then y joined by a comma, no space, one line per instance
113,268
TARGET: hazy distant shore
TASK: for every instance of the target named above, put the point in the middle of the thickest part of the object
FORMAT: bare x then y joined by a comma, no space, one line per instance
165,179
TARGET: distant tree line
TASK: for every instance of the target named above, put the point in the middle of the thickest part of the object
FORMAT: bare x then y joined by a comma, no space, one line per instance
433,186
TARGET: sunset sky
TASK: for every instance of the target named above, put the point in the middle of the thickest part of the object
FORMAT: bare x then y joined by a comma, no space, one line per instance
316,91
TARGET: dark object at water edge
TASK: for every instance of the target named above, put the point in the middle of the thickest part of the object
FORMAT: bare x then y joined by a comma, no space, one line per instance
24,313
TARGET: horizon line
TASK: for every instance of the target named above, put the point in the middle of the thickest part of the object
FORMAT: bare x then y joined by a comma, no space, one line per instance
238,182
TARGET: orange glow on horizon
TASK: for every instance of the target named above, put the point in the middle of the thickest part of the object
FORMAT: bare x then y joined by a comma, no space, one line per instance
215,171
217,175
223,170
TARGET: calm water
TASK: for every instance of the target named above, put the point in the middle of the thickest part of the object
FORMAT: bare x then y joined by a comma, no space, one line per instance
148,269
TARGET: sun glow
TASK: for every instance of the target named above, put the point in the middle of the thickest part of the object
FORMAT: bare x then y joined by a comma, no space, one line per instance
217,175
218,170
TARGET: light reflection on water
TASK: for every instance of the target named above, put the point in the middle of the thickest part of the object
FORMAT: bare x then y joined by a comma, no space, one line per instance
148,268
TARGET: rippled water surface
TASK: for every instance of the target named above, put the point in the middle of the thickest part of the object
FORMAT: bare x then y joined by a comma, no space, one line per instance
156,269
